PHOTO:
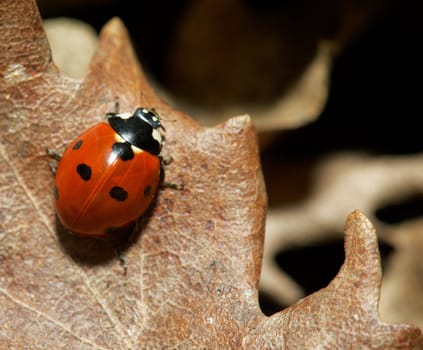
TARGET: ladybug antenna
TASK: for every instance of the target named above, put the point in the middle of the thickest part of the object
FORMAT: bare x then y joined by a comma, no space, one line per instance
117,105
168,120
161,117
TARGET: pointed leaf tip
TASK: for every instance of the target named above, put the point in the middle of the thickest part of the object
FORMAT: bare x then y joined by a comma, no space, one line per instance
114,26
23,42
361,250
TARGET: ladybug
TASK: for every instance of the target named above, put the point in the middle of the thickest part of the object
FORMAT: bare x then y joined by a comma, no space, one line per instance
109,175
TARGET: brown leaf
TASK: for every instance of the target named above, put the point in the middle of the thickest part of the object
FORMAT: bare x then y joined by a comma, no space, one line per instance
72,43
339,183
402,291
343,315
194,269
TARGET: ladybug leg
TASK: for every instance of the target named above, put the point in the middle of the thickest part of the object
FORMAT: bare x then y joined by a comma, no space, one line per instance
53,154
56,156
122,260
122,236
173,186
165,184
116,108
117,105
165,161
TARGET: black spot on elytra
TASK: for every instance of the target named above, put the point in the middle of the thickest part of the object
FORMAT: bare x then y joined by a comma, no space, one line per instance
56,193
77,145
147,191
123,150
84,171
118,193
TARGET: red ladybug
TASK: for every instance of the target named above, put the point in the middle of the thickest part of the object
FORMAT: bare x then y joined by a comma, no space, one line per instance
108,176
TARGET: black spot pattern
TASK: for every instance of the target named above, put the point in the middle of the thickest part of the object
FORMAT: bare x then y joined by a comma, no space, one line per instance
118,193
56,193
147,191
123,150
77,145
84,171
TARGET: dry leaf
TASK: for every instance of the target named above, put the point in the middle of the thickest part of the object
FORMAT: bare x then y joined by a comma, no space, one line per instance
402,292
344,315
72,43
194,268
342,182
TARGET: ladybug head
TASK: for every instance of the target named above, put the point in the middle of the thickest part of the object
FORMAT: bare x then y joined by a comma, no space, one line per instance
150,116
139,129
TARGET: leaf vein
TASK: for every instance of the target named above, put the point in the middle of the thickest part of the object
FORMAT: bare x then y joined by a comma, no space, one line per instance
51,319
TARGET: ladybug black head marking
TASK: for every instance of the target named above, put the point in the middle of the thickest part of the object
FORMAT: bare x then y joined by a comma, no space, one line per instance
150,116
139,129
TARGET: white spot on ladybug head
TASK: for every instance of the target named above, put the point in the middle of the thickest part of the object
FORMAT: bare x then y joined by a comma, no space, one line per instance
124,115
149,116
152,113
157,136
